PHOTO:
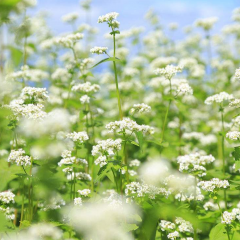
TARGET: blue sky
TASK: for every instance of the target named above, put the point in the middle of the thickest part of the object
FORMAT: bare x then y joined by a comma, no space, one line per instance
132,12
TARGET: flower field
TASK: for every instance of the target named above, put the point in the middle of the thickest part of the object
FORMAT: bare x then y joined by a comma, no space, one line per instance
137,138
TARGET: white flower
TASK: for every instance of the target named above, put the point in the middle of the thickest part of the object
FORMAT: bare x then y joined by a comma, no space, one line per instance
213,184
134,163
128,125
173,235
70,17
237,74
233,135
184,89
169,71
35,94
78,201
140,108
219,98
109,17
235,103
206,23
7,197
106,147
85,99
84,192
61,74
86,87
79,137
99,50
101,160
19,157
165,225
70,40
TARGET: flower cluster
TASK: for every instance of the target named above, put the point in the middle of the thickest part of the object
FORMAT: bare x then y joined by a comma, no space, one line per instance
105,149
140,108
193,163
19,157
229,217
213,185
206,23
127,125
99,50
70,40
219,98
86,87
7,197
233,135
110,18
169,71
78,137
34,94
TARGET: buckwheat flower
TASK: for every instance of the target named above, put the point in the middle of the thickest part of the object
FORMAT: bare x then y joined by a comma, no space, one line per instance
169,71
30,111
233,135
107,147
8,212
78,201
165,225
70,40
235,103
85,99
61,74
85,4
109,17
154,172
44,231
214,184
173,235
128,126
184,89
99,50
7,197
194,163
237,74
130,72
71,161
70,17
84,192
83,176
34,94
219,98
210,206
134,163
183,225
19,157
140,108
206,23
86,87
79,137
227,217
101,160
3,152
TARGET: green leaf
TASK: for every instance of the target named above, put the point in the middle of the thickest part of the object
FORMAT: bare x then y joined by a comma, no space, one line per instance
107,60
236,153
134,143
129,227
139,136
218,233
103,172
237,165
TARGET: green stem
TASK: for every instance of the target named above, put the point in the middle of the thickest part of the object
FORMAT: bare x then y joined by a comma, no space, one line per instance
125,156
22,208
166,115
116,79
